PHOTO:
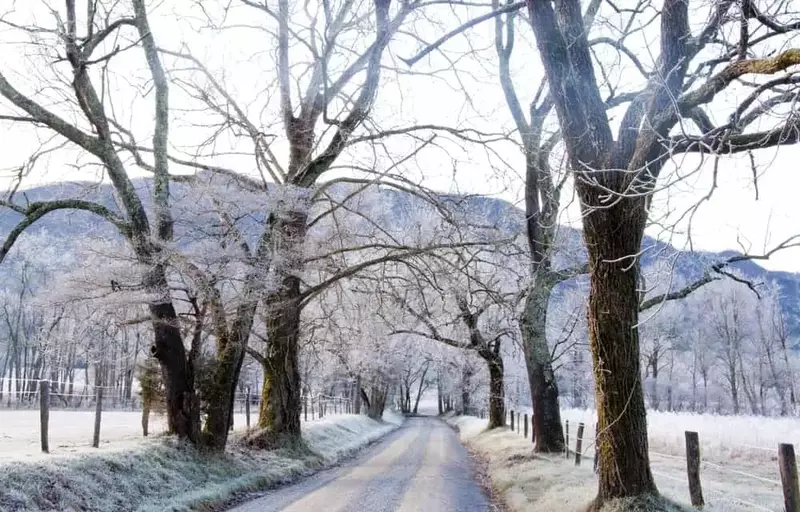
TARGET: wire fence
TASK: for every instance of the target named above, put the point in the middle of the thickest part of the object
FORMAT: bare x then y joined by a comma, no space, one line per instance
774,480
36,420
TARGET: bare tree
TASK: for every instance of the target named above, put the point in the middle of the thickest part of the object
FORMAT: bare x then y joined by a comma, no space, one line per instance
82,44
458,299
628,169
615,178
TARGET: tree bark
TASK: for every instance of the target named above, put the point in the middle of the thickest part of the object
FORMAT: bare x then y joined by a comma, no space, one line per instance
280,400
145,418
377,401
497,410
219,398
357,396
182,406
280,395
544,389
613,235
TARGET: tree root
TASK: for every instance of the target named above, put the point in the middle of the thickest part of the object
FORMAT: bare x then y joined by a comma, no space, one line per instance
651,502
266,439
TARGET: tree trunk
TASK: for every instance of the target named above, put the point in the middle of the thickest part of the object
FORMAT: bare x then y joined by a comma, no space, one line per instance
357,396
219,397
544,389
281,404
182,407
497,410
654,397
145,418
439,398
613,235
280,394
466,377
419,390
377,401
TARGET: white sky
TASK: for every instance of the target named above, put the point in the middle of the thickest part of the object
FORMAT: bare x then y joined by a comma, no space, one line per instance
471,99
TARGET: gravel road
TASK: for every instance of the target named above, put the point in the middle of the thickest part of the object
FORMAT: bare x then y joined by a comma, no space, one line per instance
421,467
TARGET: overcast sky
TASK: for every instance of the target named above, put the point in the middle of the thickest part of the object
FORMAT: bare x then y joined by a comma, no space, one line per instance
469,99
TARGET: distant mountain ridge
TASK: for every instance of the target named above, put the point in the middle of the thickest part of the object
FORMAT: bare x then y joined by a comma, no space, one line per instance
66,227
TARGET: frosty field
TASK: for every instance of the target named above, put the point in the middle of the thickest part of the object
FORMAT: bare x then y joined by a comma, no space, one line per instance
724,439
71,432
739,470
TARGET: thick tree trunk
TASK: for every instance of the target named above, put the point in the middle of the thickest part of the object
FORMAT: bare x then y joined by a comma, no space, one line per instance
281,404
497,409
547,428
357,396
182,407
219,397
227,368
377,401
280,395
613,235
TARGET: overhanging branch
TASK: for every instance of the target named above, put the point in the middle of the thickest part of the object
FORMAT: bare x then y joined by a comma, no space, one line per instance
35,211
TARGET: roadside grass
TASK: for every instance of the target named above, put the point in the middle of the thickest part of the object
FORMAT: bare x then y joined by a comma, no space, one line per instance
170,476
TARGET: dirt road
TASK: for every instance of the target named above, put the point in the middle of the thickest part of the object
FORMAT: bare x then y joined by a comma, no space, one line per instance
421,467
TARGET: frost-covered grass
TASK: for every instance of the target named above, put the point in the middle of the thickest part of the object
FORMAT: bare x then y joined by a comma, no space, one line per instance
163,475
723,439
541,483
71,432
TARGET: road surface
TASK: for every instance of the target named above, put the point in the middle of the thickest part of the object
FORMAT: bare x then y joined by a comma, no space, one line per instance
421,467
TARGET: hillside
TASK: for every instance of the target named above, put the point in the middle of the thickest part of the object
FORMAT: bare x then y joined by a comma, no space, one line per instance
66,230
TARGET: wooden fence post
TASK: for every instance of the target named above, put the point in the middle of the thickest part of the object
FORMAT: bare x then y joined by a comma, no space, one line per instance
693,468
579,445
98,413
526,426
247,406
512,421
596,445
566,438
44,413
305,408
788,466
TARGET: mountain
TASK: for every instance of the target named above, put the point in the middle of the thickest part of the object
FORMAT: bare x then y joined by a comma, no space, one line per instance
66,229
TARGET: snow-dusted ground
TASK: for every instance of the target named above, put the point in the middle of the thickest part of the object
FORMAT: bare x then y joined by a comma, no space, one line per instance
71,432
725,439
739,454
162,475
739,470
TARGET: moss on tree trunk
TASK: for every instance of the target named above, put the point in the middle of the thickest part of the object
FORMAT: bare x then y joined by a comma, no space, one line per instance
546,418
613,236
281,403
